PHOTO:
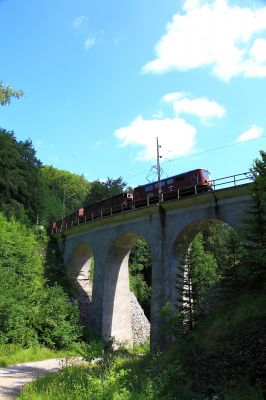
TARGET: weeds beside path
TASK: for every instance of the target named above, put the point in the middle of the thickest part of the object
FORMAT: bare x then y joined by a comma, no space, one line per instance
12,378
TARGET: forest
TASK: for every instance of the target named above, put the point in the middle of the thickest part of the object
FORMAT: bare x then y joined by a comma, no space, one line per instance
218,325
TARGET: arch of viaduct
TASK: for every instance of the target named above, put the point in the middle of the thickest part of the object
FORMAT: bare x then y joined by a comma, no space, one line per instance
111,239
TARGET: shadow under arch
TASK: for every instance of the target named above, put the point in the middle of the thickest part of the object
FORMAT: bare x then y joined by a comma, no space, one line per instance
117,318
79,266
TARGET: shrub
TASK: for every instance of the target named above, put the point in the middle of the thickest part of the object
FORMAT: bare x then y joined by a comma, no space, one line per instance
31,312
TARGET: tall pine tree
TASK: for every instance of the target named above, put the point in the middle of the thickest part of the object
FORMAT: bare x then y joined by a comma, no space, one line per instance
197,273
255,261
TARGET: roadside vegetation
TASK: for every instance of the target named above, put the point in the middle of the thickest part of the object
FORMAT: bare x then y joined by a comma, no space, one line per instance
31,312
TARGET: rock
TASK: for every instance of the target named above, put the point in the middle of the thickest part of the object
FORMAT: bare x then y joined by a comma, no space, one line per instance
140,323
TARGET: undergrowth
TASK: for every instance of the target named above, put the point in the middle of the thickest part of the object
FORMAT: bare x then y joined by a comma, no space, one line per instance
11,354
218,360
135,378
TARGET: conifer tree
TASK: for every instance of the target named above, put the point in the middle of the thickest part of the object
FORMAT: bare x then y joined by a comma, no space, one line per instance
197,273
255,260
204,271
185,294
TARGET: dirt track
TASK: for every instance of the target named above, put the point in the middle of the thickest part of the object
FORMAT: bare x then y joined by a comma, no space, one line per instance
12,378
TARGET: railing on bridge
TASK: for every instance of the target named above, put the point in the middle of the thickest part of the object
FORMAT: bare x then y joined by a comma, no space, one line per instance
232,180
216,184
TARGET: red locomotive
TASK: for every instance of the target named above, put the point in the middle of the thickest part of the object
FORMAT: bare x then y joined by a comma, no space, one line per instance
181,185
188,183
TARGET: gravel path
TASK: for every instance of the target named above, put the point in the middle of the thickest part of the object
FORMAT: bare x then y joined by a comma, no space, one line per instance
12,378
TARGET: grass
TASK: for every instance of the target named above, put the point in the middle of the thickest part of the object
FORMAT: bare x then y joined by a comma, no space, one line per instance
129,378
11,354
155,376
67,384
102,381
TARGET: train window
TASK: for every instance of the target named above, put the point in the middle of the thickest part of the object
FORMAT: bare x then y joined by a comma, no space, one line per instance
148,188
206,174
169,181
180,178
162,184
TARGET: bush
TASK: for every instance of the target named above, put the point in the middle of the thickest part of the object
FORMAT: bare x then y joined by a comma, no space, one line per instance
31,312
57,319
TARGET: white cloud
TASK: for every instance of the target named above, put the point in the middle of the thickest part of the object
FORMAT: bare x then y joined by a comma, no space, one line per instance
258,50
79,21
213,34
252,133
89,42
174,134
200,106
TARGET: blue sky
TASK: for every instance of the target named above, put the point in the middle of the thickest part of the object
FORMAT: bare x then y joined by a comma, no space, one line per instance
102,79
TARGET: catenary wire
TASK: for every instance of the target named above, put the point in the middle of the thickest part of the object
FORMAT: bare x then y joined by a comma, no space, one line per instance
196,154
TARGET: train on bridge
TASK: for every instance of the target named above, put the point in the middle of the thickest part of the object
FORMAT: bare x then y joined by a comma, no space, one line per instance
174,187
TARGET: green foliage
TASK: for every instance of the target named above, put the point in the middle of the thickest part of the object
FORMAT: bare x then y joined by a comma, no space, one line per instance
56,319
140,269
60,187
172,320
141,290
254,268
54,268
140,259
228,347
92,350
217,360
198,272
6,93
136,378
226,246
203,271
243,392
138,348
102,190
91,272
30,312
20,194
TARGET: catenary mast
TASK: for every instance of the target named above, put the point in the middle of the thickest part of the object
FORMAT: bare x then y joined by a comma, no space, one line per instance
159,172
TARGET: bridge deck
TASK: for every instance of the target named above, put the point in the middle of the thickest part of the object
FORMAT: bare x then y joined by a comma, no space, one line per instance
200,198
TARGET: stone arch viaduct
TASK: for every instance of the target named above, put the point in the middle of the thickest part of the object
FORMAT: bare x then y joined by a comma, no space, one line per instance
111,239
